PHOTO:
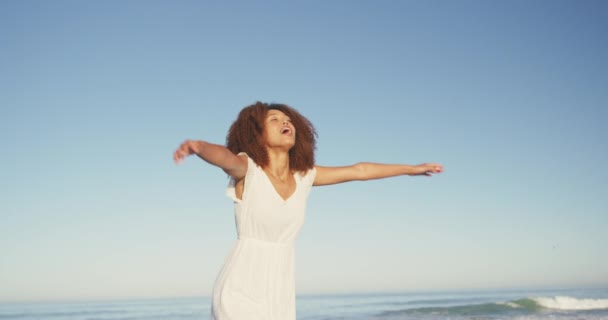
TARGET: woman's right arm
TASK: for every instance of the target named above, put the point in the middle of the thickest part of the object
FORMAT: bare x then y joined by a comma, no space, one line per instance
217,155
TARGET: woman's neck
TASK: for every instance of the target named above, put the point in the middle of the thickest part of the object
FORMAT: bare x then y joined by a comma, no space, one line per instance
278,164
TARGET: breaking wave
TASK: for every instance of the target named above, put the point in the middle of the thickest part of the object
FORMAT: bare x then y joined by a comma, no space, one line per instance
521,306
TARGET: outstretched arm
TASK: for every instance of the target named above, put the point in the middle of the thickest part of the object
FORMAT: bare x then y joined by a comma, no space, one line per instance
217,155
369,171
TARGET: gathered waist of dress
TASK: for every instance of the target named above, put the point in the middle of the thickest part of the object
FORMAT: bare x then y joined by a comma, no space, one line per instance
265,242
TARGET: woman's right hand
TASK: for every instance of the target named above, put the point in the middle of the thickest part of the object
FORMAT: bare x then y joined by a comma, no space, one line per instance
187,148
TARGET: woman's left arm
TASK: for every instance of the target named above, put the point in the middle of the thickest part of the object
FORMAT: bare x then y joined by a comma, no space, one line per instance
369,170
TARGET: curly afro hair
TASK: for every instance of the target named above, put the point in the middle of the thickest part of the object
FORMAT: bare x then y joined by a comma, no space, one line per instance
246,134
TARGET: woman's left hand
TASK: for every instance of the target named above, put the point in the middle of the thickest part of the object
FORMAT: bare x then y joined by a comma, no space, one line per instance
427,168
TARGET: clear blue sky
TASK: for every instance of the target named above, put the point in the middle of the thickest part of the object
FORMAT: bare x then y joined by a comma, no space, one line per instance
510,96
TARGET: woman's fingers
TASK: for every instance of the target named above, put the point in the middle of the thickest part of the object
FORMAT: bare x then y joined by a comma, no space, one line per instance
177,157
435,167
187,148
182,152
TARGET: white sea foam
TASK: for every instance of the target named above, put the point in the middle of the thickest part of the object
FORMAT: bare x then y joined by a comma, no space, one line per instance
570,303
511,304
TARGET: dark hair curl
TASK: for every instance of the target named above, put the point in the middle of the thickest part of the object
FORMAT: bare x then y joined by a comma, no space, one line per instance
246,134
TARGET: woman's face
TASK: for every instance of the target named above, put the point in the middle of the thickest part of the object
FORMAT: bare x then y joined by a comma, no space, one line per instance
278,130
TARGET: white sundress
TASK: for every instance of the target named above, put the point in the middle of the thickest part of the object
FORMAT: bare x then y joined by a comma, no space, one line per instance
257,280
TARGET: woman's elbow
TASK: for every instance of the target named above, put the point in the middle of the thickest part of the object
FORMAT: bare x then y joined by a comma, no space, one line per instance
361,171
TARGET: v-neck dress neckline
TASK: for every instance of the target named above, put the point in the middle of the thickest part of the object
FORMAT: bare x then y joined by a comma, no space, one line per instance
274,189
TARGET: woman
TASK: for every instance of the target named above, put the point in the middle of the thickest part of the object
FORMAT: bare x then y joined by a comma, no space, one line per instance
269,156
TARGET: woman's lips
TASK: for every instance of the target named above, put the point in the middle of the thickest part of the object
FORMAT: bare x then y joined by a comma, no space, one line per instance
286,130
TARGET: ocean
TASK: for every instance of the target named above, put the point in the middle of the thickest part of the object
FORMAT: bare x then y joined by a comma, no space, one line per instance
576,304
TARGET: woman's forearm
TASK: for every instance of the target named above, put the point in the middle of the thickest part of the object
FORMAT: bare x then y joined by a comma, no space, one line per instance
215,154
370,170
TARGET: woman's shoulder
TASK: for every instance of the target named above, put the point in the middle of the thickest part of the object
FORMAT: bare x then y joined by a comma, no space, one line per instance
308,175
